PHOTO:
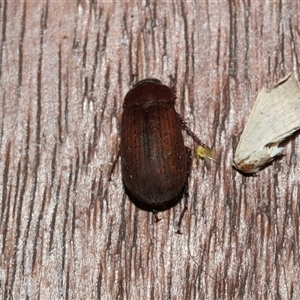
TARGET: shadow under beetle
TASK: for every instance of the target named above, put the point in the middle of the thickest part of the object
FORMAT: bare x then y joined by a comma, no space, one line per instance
155,161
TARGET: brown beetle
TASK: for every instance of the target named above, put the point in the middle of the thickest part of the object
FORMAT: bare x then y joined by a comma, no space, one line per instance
155,162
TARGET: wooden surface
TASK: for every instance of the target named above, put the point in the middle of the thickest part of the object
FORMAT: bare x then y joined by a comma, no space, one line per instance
66,232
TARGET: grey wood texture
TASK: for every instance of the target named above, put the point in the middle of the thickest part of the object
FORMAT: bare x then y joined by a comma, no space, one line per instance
66,232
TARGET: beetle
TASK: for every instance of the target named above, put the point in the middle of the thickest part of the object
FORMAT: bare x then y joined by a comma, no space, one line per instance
155,162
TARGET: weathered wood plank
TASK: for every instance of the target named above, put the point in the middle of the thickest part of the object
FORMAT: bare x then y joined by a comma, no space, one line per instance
65,230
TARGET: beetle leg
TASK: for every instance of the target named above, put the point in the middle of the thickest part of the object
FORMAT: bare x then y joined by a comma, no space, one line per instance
185,189
114,164
185,127
186,203
173,86
157,219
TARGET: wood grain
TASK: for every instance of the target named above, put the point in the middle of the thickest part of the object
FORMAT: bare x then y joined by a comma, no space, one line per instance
65,230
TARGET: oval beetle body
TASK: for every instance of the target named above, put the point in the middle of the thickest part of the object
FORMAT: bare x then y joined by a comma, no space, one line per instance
155,162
